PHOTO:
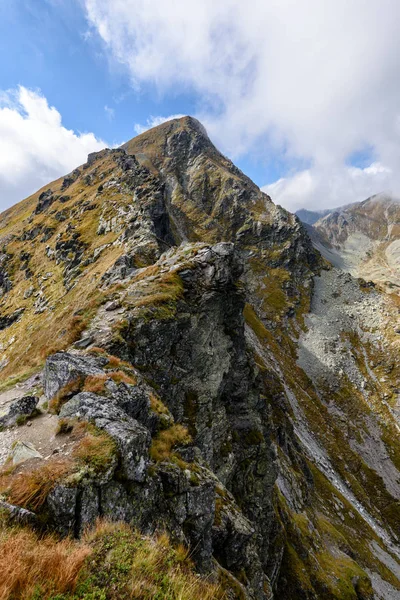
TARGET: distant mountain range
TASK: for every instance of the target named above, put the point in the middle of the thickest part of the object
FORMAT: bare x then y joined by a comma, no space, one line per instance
311,216
362,238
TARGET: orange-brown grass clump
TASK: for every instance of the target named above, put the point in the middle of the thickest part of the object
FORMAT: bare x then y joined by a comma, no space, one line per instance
93,448
34,567
96,450
95,350
114,362
121,376
64,394
95,383
162,445
110,562
30,489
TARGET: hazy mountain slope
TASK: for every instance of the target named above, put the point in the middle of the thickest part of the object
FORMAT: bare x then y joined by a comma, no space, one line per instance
309,217
363,238
251,397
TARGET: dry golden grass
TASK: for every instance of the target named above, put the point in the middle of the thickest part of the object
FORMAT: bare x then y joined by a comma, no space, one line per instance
168,287
95,383
153,567
148,272
162,445
38,567
30,489
153,559
111,562
157,405
122,377
96,449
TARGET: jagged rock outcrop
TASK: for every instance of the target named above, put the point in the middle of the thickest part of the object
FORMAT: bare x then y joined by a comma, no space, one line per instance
196,359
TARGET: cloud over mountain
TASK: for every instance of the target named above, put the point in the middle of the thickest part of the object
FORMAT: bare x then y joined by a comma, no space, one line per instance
35,147
314,81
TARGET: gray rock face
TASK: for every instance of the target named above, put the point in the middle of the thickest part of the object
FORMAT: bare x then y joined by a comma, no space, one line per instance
22,408
199,365
7,320
45,200
62,368
16,514
62,507
217,247
135,401
133,439
5,281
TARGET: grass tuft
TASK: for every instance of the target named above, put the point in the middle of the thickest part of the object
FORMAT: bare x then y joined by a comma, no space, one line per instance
34,567
96,450
95,383
110,562
163,444
122,377
30,489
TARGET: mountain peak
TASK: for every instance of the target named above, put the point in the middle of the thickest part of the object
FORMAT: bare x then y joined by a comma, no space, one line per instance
157,137
159,296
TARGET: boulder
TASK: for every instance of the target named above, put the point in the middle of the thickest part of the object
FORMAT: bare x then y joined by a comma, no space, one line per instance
62,368
23,451
17,514
133,439
22,408
45,200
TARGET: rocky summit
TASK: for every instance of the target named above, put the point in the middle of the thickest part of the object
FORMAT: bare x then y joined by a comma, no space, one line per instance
177,357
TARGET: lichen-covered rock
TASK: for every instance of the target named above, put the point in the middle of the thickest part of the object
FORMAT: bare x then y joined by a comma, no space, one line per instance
61,504
135,400
20,409
18,515
62,368
133,439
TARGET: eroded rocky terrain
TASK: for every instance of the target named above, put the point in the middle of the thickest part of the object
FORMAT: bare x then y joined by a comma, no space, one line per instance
245,394
363,239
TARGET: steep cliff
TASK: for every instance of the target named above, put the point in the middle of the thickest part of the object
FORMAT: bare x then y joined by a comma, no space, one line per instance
212,375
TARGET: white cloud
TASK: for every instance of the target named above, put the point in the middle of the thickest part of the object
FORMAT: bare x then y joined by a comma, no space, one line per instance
110,112
153,122
327,188
35,147
318,79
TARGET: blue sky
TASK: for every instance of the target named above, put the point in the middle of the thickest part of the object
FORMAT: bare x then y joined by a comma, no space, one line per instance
306,106
48,46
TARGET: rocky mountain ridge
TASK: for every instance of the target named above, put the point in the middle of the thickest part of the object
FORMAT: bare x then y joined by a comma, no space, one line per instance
246,395
363,238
